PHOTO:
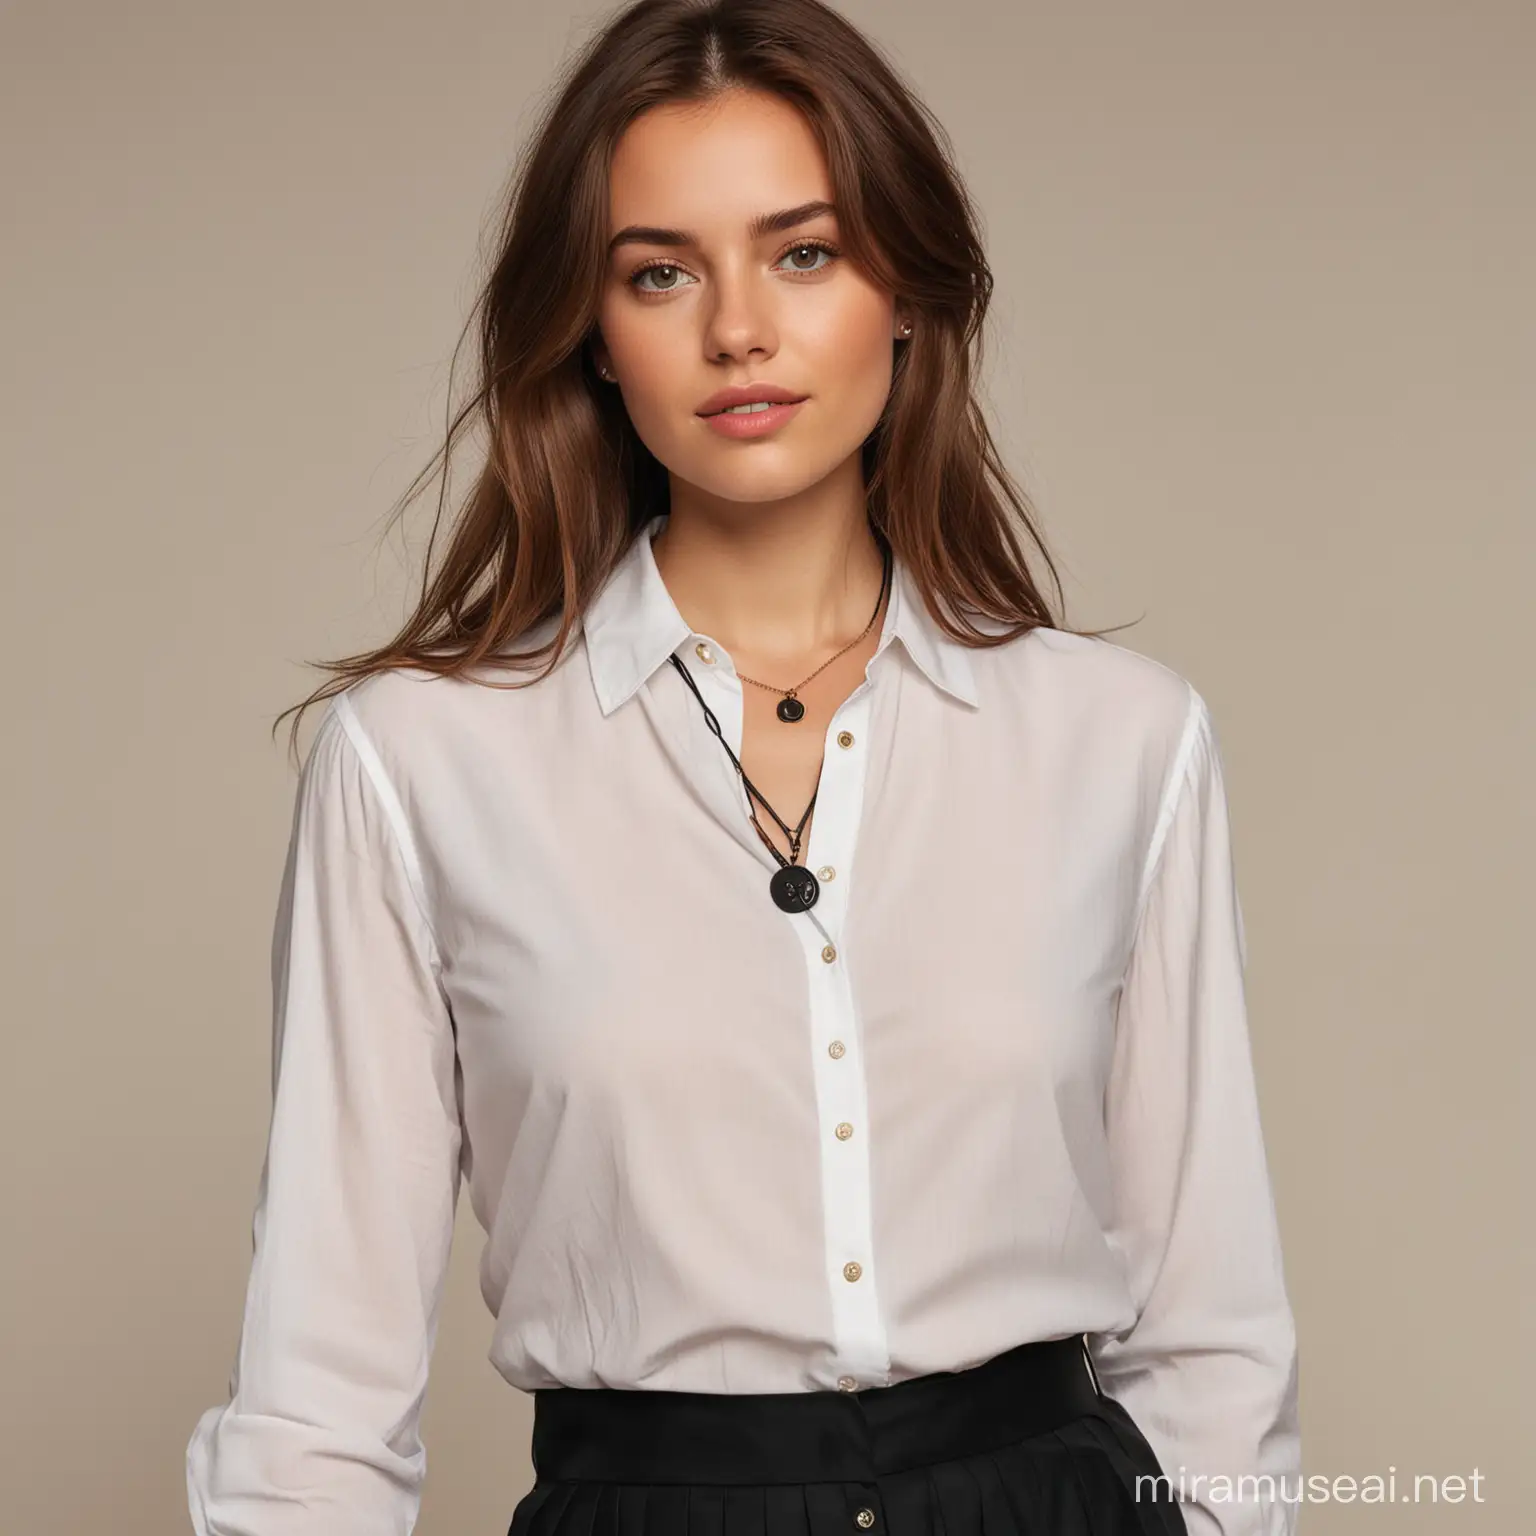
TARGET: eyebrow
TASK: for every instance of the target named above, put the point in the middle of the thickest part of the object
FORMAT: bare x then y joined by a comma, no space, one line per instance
762,224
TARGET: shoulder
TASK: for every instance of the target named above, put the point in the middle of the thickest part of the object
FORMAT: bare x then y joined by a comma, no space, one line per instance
385,706
354,758
422,731
1111,691
408,713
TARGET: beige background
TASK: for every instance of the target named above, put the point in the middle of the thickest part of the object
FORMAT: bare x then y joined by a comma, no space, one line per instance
1262,352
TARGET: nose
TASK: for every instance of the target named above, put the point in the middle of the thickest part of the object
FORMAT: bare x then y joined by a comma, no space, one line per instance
739,323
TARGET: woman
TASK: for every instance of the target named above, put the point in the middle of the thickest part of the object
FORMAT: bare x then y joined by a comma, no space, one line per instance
896,1167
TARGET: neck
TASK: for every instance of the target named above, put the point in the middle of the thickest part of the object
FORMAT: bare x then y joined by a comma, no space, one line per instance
781,582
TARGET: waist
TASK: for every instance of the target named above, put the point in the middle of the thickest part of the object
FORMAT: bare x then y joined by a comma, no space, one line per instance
612,1434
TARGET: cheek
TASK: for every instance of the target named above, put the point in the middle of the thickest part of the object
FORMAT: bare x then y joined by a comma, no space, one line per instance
847,355
844,321
658,363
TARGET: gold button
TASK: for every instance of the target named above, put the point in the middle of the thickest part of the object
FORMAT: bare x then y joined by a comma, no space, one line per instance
826,872
852,1270
705,653
836,1049
829,953
844,1131
865,1518
845,738
847,1383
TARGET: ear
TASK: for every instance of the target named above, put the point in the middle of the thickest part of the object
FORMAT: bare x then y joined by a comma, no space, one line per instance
600,358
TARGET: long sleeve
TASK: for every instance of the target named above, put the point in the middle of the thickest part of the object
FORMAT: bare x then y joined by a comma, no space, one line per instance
1209,1370
358,1188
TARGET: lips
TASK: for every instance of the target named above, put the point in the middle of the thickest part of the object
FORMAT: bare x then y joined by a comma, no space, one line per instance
748,394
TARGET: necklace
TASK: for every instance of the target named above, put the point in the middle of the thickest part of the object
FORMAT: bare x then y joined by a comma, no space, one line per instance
790,709
793,887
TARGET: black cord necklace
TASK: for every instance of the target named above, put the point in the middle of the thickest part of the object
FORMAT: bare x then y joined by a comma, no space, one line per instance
793,887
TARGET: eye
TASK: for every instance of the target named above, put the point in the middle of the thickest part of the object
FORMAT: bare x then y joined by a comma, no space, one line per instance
801,246
671,277
667,267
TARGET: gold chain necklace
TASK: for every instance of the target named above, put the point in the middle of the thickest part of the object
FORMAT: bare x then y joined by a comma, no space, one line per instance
790,709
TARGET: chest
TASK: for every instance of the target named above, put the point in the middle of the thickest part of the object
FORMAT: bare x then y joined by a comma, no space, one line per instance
609,940
784,760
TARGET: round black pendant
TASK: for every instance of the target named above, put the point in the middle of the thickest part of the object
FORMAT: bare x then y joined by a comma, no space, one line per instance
794,888
791,710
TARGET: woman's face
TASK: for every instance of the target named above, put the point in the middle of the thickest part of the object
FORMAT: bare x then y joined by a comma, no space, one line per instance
713,303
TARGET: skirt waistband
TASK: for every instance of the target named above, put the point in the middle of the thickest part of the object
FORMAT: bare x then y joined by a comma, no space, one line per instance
613,1434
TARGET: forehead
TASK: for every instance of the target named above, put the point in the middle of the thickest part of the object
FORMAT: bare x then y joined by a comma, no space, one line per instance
712,166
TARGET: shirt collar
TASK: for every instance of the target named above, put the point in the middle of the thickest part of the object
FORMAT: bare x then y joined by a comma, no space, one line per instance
632,626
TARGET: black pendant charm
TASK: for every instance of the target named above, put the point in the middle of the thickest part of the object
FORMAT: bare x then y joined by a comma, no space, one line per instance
794,888
790,710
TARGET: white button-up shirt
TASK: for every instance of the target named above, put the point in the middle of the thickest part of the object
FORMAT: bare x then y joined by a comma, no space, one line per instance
994,1086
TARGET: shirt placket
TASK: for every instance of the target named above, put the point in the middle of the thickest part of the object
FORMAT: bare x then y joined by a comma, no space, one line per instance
862,1357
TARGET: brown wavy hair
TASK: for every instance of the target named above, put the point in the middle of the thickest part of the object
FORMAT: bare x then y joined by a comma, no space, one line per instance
567,483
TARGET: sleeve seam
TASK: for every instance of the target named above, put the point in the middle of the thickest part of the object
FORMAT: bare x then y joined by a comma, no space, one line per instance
394,813
1173,793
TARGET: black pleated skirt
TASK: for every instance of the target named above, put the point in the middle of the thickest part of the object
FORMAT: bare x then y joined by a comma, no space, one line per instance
1024,1444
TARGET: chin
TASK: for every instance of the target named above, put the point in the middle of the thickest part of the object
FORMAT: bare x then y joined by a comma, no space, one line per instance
759,482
